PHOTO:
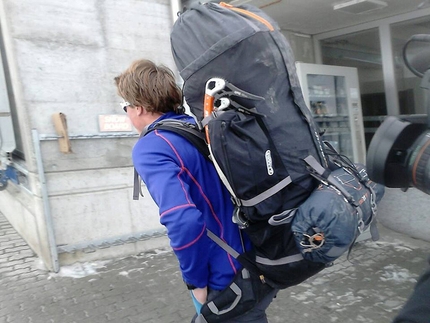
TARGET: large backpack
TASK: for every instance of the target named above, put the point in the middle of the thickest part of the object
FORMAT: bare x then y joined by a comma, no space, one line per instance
241,85
236,62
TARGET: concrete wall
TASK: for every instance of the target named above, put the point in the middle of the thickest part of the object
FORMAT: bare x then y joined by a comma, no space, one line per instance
406,212
63,57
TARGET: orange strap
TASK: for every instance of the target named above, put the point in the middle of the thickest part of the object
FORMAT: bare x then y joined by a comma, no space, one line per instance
248,13
208,108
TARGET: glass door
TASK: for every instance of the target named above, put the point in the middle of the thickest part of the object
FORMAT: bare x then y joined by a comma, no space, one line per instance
328,101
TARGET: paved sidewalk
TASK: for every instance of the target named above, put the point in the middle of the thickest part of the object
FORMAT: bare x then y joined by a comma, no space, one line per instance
148,287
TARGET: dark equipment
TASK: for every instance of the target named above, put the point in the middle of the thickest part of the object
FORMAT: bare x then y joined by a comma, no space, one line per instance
399,153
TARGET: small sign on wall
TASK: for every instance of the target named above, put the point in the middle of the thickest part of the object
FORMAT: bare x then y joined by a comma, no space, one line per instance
114,123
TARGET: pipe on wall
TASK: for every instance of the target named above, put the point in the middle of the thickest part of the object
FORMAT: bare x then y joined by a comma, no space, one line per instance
46,207
175,6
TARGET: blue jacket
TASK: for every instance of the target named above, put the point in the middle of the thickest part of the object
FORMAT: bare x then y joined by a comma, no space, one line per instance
191,198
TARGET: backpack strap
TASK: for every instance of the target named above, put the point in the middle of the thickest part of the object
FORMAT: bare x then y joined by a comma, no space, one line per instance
227,248
187,130
258,259
137,188
363,177
324,174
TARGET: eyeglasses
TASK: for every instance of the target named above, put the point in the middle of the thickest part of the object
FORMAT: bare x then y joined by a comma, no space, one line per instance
125,105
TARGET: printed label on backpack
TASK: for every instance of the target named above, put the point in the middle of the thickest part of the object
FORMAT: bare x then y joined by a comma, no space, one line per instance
269,163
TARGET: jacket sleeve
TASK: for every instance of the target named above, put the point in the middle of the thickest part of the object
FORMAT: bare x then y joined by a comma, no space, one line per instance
167,179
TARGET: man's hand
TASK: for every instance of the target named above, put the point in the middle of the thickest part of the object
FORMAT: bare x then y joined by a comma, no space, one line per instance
200,294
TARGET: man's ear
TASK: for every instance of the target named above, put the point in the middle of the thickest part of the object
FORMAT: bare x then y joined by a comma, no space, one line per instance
140,110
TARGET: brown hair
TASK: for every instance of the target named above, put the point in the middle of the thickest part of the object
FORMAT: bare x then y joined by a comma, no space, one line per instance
151,86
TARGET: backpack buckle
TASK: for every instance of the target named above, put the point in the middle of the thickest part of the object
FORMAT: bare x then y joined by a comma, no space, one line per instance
239,219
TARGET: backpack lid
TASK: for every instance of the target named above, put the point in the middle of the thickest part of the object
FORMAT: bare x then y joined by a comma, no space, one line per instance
205,31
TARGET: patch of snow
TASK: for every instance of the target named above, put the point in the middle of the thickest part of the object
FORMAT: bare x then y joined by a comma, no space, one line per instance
362,319
396,243
402,248
79,270
39,264
397,274
320,281
154,252
303,296
123,273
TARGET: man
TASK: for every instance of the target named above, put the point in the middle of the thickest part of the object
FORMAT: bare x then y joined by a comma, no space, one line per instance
417,308
185,186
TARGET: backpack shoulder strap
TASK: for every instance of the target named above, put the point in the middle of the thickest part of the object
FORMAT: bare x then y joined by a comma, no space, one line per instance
188,130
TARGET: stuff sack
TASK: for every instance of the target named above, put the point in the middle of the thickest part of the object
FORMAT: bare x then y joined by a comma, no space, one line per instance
342,207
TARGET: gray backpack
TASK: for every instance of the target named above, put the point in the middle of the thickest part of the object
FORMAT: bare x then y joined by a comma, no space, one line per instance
235,61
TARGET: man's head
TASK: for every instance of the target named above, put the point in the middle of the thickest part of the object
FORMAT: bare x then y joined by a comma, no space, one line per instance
150,89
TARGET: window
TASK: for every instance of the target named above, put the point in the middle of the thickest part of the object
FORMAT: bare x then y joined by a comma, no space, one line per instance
362,51
411,96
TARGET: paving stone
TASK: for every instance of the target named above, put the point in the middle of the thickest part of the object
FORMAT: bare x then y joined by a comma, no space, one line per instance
370,287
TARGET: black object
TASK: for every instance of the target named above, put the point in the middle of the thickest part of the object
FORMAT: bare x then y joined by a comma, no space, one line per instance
417,309
399,153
